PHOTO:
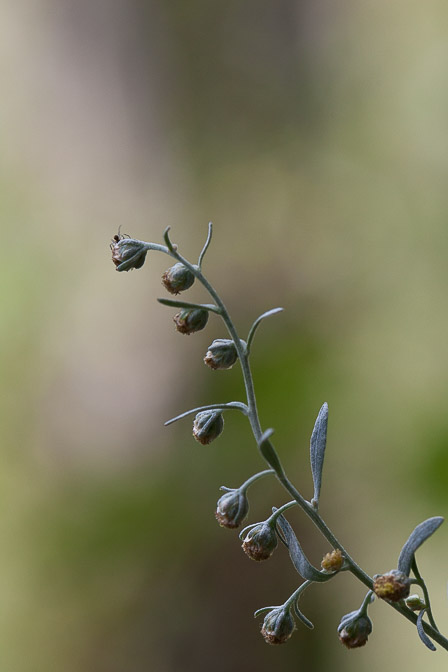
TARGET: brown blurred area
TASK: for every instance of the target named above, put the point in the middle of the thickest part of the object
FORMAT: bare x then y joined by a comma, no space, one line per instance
315,136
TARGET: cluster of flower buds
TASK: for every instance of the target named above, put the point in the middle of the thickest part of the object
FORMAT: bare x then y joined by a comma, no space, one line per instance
278,625
354,629
177,279
190,320
260,541
393,586
332,562
221,354
232,508
207,426
128,253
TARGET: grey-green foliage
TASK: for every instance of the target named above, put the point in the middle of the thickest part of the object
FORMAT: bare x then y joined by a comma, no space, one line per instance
261,539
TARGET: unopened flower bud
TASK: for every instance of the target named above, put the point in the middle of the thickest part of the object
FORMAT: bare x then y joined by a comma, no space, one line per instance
354,629
207,426
232,508
177,279
393,586
332,562
190,320
415,602
221,354
128,253
260,542
278,626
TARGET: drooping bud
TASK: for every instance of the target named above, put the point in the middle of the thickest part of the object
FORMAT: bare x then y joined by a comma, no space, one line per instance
190,320
207,426
332,562
393,586
260,542
128,253
278,626
221,354
415,602
232,508
177,279
354,629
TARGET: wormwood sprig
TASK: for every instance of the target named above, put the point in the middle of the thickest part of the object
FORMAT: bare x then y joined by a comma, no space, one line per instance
261,539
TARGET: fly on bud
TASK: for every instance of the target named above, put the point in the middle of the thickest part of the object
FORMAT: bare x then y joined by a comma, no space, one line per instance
393,586
354,629
221,354
278,626
260,542
128,253
207,426
177,279
232,508
190,320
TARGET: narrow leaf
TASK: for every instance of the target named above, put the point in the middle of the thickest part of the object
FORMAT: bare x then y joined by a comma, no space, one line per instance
298,557
302,617
422,634
317,451
418,536
269,453
255,325
173,303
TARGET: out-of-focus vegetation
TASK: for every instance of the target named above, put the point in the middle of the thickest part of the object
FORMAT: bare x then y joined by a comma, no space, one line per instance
314,135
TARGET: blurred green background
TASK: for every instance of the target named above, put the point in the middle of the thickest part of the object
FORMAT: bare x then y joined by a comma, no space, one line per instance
315,136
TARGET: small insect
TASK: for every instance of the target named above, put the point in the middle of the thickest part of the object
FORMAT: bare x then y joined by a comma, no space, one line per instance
118,236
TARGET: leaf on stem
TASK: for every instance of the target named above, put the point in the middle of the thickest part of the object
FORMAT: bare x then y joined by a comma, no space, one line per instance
166,236
422,634
302,616
416,539
207,243
298,557
174,303
317,451
253,328
269,453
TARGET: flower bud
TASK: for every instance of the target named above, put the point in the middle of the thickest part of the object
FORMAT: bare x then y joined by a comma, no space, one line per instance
260,542
177,279
128,253
278,626
190,320
207,426
221,354
393,586
354,629
332,562
415,602
232,508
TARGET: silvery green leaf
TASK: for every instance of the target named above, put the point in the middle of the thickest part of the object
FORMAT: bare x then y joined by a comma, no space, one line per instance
422,634
174,303
268,451
298,557
317,451
302,617
416,539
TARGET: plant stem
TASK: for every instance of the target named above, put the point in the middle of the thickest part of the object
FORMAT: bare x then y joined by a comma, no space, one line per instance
257,432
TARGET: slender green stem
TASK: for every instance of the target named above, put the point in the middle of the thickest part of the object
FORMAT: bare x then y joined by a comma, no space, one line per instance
254,478
271,520
297,592
210,407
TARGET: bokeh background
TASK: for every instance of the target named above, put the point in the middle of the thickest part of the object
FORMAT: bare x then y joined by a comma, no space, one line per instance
315,135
